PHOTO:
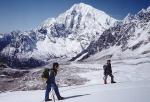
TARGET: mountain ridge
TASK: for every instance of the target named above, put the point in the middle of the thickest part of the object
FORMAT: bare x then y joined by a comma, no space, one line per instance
80,31
129,38
60,37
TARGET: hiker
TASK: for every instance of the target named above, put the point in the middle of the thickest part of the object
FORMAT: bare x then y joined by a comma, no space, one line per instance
108,71
52,84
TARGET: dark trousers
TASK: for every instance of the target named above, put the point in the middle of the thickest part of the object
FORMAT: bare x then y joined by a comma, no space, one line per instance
48,89
105,77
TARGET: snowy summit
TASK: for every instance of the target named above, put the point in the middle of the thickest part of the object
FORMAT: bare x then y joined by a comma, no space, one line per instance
62,37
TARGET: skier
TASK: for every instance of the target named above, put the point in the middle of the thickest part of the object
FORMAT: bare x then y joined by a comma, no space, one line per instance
108,71
52,84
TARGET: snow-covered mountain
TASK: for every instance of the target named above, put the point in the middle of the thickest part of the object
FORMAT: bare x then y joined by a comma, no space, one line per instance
72,31
65,36
80,29
129,38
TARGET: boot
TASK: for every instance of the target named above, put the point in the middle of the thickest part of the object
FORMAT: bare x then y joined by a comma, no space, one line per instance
48,100
113,82
112,79
105,81
60,98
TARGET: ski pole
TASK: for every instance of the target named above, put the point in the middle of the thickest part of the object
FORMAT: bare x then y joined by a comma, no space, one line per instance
53,95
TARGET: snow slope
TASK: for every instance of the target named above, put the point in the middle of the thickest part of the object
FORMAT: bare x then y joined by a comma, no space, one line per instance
133,84
120,92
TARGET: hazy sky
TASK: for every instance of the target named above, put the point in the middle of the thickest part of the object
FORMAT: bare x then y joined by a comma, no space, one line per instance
27,14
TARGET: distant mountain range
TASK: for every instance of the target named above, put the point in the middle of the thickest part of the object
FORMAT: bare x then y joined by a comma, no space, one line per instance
129,38
77,34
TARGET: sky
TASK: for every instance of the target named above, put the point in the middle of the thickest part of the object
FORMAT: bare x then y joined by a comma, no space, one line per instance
28,14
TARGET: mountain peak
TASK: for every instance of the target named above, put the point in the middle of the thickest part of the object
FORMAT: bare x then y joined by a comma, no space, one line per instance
144,10
81,14
148,9
79,5
128,18
84,8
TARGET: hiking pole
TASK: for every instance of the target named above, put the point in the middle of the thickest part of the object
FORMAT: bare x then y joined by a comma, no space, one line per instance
53,95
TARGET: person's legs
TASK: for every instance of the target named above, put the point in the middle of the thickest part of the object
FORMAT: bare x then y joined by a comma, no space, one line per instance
55,87
48,89
112,78
105,79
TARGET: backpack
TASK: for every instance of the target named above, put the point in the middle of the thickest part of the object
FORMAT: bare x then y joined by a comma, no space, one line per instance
45,73
104,67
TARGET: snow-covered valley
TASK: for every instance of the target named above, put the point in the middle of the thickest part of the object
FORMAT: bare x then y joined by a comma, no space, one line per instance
132,76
